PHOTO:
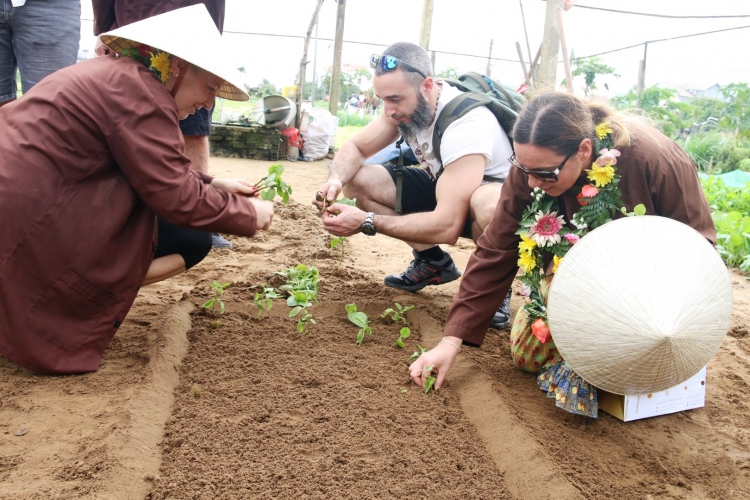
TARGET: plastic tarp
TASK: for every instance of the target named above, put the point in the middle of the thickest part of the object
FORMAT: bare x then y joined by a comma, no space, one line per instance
733,179
321,134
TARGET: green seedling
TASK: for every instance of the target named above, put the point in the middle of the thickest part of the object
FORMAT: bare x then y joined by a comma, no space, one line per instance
304,320
638,210
215,301
264,299
416,354
302,288
271,185
429,379
340,240
403,335
359,319
398,314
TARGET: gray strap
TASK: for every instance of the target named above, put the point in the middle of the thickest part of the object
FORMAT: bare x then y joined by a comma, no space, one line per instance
399,176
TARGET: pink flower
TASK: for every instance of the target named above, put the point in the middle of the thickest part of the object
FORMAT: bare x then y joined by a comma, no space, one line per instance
572,238
589,191
546,228
607,157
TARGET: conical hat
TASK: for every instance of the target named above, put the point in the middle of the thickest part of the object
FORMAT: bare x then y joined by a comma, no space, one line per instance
639,305
188,33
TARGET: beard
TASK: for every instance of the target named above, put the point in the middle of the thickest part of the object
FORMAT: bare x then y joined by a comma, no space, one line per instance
419,119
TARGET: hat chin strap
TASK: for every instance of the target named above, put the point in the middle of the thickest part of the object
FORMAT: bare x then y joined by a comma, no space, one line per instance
178,81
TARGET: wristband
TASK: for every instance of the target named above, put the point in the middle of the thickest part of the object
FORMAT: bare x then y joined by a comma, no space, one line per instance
458,347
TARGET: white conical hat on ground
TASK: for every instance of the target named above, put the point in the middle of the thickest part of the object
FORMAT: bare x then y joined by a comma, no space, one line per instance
188,33
640,305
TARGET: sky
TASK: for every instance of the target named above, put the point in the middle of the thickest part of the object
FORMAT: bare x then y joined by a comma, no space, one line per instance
468,27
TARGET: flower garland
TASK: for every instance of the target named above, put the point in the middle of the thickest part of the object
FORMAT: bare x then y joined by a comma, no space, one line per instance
544,233
157,63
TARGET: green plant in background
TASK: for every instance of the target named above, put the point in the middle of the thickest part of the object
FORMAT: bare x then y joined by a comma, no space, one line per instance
590,68
403,335
264,299
359,319
733,238
271,185
722,198
398,314
215,301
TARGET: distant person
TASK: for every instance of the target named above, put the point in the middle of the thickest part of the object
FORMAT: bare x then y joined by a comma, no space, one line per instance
88,160
112,14
37,38
436,208
375,103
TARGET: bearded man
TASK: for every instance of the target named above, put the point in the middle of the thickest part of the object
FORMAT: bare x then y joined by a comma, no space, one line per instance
435,207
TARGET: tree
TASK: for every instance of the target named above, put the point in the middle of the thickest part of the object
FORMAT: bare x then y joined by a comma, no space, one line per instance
589,68
658,104
362,73
451,73
737,115
347,86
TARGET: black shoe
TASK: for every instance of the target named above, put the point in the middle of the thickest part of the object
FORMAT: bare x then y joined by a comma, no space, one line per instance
422,272
502,316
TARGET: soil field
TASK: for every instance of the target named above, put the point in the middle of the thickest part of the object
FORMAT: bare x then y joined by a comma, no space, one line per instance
187,405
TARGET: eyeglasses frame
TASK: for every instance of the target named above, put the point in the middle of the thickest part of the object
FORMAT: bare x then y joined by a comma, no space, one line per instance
543,175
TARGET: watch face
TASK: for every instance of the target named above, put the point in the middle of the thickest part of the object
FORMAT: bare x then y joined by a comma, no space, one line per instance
368,229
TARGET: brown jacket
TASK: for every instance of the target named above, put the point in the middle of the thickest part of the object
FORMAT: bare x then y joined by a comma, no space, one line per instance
112,14
87,158
656,173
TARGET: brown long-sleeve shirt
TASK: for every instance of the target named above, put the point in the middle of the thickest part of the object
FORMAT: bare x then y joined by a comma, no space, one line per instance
654,171
112,14
87,158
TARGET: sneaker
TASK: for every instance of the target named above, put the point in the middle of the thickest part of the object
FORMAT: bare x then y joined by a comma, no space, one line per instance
218,241
422,272
502,316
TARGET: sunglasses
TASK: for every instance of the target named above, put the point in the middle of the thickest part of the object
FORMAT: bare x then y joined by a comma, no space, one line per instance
390,63
542,175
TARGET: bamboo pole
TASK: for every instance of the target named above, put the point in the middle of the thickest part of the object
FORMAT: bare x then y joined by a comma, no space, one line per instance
564,47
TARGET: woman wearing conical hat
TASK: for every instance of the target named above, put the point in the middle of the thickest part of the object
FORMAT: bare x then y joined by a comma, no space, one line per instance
88,159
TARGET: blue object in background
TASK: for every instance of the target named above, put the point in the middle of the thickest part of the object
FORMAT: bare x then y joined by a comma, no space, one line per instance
733,179
390,155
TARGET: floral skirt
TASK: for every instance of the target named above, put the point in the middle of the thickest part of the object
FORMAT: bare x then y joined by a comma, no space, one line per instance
571,392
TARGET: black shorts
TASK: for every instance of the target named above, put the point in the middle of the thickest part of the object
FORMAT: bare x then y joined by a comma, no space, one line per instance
199,123
418,193
191,244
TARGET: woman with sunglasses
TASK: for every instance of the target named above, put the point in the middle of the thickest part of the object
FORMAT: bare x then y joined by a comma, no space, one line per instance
559,145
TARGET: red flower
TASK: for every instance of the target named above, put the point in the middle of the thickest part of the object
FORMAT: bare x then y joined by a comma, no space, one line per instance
587,191
144,49
540,330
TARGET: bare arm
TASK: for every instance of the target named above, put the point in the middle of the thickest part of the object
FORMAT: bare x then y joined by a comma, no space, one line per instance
378,134
443,225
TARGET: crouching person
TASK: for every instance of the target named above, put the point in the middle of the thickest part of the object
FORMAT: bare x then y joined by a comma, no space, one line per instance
88,160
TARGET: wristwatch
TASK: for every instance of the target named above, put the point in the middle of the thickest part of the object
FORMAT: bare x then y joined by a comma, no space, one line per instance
367,226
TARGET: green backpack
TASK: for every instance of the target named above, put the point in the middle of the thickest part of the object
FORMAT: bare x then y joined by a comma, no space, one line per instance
477,90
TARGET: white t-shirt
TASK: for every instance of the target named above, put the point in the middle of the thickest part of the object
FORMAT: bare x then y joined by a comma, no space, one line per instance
477,132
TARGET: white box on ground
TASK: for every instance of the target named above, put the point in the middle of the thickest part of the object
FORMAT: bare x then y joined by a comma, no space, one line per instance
688,395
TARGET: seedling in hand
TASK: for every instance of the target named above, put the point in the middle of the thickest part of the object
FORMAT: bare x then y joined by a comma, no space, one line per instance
359,319
398,314
272,185
403,335
215,301
264,299
340,240
429,379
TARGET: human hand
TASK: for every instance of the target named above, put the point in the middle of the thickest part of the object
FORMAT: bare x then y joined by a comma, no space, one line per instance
102,50
328,192
441,358
236,186
343,220
263,213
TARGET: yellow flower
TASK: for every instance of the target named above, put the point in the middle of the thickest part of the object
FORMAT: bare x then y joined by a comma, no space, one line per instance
602,130
527,261
160,62
556,261
601,176
527,244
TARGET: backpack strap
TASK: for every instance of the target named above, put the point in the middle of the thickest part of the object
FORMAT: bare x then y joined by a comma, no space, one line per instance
399,169
455,109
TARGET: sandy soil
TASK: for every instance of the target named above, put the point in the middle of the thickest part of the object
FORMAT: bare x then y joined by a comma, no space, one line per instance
286,415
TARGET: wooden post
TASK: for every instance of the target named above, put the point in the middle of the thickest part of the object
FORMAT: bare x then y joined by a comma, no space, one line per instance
550,45
303,63
523,64
526,35
432,60
424,33
564,47
489,59
534,68
333,105
315,68
642,75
